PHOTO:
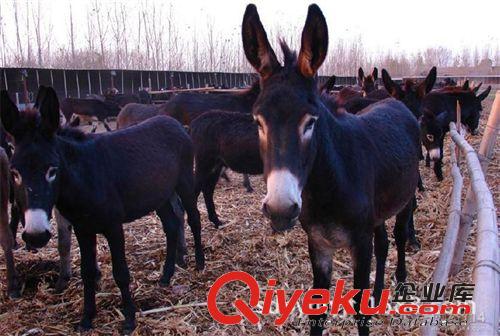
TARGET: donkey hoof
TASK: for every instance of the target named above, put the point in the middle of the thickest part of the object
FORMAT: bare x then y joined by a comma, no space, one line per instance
128,327
200,265
181,262
413,246
84,325
164,281
61,285
14,293
217,222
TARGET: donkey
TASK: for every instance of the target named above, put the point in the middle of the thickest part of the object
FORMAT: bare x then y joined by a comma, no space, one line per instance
410,93
367,83
185,107
342,175
223,139
100,182
439,109
102,110
329,85
133,113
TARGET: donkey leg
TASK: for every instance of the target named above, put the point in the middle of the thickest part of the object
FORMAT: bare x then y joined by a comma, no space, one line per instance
64,248
171,226
400,236
15,214
175,202
7,242
381,251
427,159
438,170
224,175
185,189
87,243
246,183
208,194
321,261
362,255
116,242
106,126
413,242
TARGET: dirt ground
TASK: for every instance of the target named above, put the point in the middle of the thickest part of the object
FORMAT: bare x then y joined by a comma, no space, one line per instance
244,243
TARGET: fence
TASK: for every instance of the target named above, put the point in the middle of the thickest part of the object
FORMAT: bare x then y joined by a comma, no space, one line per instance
79,83
479,200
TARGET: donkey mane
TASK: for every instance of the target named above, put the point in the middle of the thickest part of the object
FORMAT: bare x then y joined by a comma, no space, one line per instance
72,133
289,55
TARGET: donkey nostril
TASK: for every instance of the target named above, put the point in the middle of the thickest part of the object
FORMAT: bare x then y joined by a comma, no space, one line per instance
294,210
265,209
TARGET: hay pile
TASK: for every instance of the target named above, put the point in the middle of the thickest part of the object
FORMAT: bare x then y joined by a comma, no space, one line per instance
245,243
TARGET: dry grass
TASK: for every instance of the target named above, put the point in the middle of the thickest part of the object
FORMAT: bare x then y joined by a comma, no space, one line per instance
244,243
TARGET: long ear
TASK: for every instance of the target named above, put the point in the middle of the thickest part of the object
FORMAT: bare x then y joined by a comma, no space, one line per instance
465,86
314,43
391,87
258,51
426,86
42,91
49,111
375,73
361,76
475,89
484,94
329,84
9,114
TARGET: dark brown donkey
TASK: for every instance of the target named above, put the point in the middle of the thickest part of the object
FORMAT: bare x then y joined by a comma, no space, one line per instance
185,107
223,139
100,182
101,110
342,175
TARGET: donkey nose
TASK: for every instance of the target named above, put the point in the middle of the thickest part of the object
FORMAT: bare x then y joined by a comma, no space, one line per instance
36,240
289,211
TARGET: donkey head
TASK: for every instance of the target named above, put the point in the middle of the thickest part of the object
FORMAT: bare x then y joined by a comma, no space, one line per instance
286,111
35,162
432,129
411,93
367,83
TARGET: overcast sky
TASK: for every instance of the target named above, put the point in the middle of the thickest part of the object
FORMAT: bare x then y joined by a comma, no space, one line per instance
399,25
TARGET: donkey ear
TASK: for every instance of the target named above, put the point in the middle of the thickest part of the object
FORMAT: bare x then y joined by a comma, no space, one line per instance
465,86
314,43
329,84
361,76
375,73
426,86
484,94
49,110
42,91
391,87
475,89
258,51
9,114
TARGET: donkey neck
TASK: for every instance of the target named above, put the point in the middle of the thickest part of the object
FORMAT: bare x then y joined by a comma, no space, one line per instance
329,170
79,173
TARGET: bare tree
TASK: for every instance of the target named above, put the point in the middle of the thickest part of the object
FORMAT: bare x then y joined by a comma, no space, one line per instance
20,54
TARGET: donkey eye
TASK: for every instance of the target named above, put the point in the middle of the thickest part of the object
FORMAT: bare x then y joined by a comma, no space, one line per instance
309,125
430,137
18,180
51,174
257,122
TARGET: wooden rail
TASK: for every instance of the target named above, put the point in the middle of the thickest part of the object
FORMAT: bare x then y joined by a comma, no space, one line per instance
484,318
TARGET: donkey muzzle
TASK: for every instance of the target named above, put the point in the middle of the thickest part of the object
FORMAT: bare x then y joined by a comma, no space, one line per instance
37,240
